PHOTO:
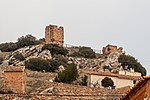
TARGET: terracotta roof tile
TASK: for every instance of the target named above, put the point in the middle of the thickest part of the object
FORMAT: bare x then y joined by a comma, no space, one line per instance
14,69
142,81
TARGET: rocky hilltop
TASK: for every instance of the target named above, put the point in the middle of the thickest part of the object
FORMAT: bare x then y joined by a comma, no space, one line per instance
108,58
27,52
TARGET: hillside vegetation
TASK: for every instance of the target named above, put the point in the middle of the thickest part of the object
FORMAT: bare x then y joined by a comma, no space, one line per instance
37,56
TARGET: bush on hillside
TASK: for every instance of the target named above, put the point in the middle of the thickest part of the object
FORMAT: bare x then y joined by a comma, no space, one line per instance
38,64
106,82
26,40
55,49
57,61
131,62
85,52
8,47
19,56
69,75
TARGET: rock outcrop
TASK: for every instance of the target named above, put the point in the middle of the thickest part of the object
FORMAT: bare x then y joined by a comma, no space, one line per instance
28,52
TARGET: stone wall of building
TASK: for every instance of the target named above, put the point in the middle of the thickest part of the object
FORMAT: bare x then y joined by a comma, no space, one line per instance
111,49
14,79
54,35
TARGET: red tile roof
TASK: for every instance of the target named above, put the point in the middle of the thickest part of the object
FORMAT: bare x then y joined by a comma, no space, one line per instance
112,75
142,81
14,69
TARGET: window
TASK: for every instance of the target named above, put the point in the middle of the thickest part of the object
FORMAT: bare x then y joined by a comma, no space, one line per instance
134,81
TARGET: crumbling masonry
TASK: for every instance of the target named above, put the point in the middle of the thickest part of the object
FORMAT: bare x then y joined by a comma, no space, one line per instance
54,35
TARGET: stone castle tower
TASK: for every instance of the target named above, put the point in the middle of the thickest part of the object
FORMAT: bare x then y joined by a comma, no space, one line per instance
54,35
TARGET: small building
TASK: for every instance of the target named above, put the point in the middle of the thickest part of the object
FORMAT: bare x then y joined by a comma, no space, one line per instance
120,80
14,79
140,91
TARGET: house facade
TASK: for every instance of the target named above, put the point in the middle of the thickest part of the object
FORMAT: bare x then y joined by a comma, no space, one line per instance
120,80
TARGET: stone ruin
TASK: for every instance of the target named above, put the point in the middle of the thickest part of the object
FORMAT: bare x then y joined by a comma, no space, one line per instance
54,35
111,49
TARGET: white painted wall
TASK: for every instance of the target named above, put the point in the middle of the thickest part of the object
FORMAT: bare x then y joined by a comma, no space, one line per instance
118,82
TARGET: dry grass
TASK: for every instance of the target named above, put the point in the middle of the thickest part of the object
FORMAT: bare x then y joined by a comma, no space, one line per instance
36,79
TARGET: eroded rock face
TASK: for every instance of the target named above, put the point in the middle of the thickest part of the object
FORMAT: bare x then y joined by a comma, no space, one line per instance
28,52
45,55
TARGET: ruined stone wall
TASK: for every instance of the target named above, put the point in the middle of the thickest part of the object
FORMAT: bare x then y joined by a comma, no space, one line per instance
54,35
111,49
15,81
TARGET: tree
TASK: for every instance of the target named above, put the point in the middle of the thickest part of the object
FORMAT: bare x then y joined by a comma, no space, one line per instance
69,75
106,82
7,47
38,64
26,40
131,62
57,61
55,49
85,52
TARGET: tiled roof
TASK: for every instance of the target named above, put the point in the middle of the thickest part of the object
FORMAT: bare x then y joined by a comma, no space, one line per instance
141,82
14,69
80,90
1,75
112,75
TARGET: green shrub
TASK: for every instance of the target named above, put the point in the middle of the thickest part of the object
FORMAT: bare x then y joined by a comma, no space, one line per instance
69,75
85,52
8,47
106,82
55,49
38,64
19,56
26,41
57,61
131,62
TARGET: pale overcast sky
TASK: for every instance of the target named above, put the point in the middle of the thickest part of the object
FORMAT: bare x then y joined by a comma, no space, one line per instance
93,23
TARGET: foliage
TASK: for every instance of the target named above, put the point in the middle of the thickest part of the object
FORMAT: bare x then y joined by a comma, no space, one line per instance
38,64
19,56
84,80
57,61
55,49
131,62
26,40
69,75
42,40
85,52
7,47
1,60
106,82
21,42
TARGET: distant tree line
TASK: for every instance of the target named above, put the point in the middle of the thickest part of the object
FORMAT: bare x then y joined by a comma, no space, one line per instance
21,42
